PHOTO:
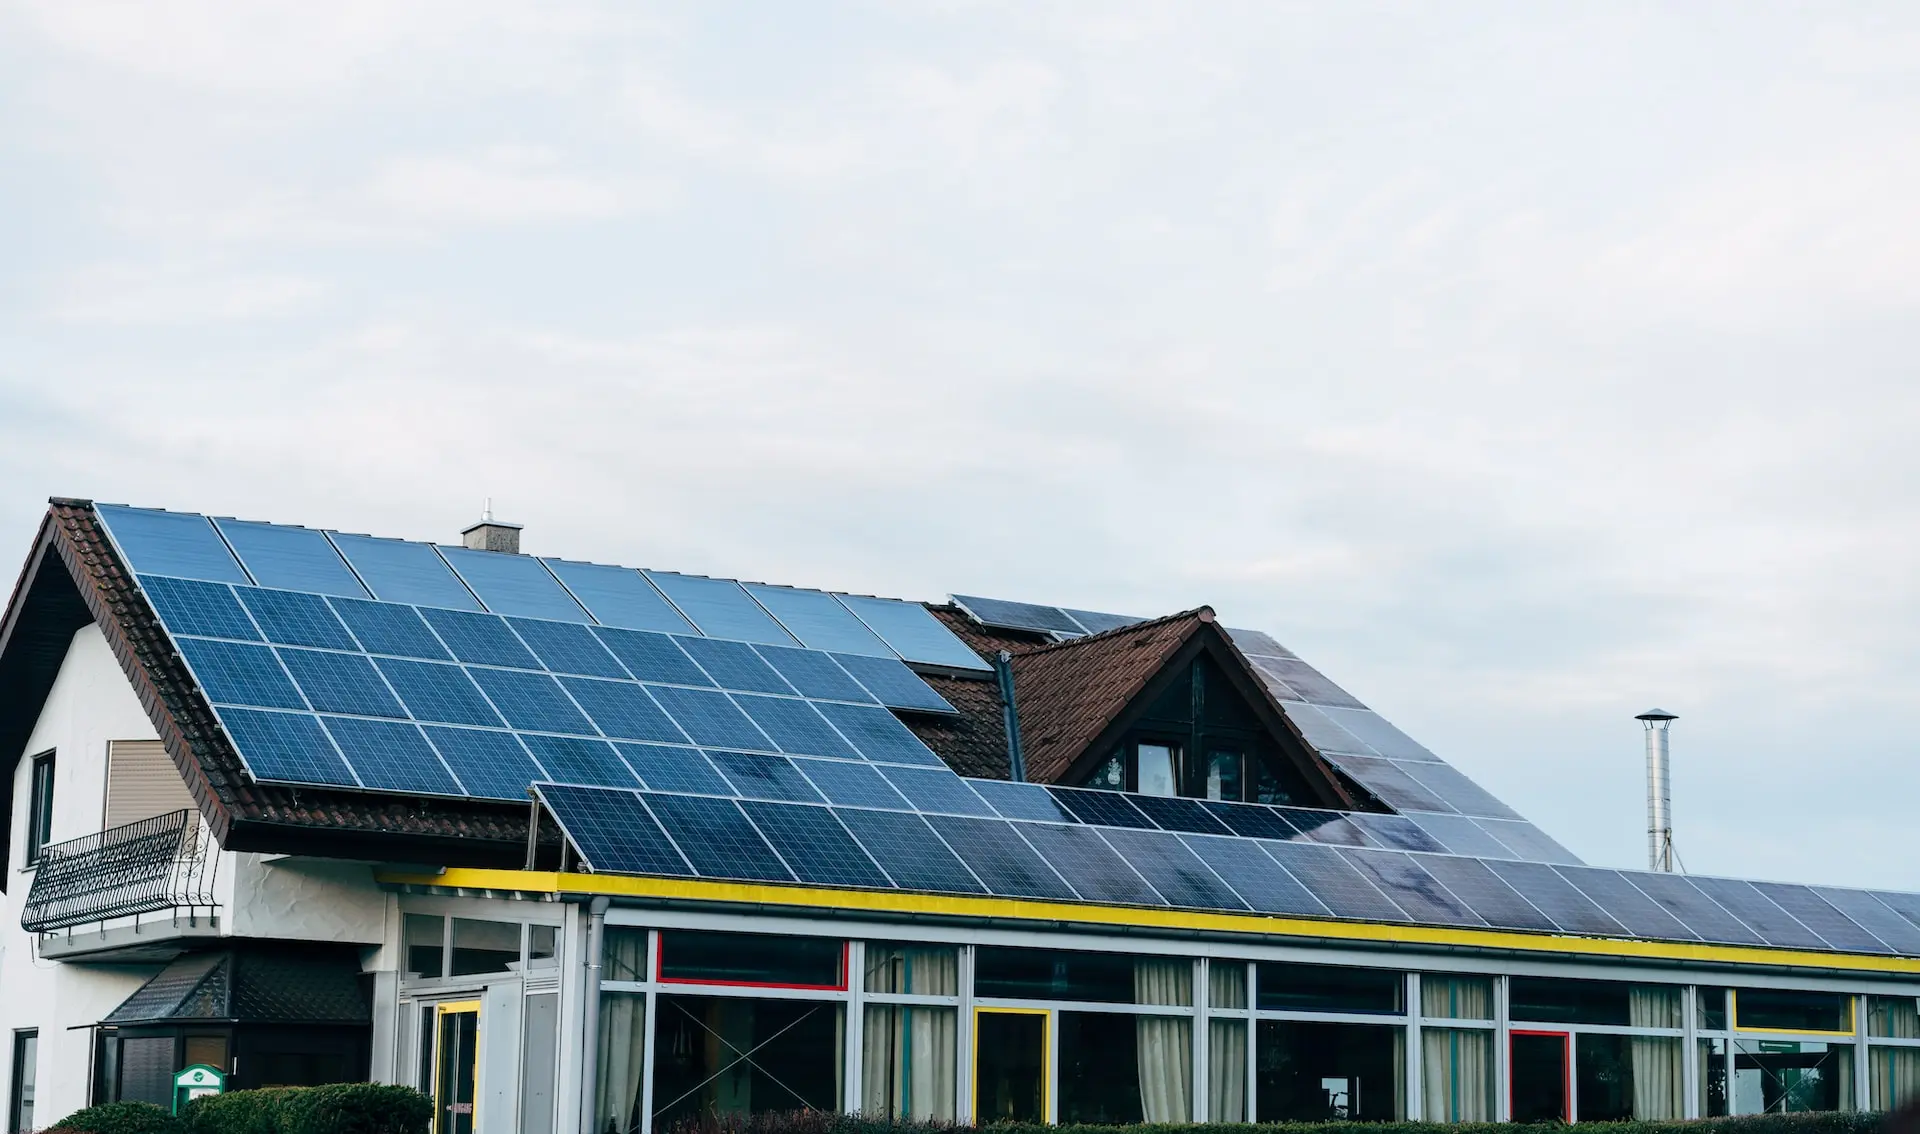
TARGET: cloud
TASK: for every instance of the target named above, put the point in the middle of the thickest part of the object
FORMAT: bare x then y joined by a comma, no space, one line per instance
505,185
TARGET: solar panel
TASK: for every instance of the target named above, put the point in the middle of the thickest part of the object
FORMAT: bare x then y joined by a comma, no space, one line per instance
236,674
795,726
878,734
1625,903
1868,912
1462,835
1374,730
818,620
1019,615
436,691
1099,623
289,747
513,584
852,785
1319,729
1261,882
619,596
1554,896
817,848
1483,892
613,831
1174,813
576,760
1107,808
910,852
1256,643
1527,841
1334,881
341,683
1327,827
290,558
567,647
1771,922
674,769
720,608
385,628
1812,911
710,718
391,756
531,701
734,665
189,606
1254,820
1312,686
1693,909
764,777
814,674
1173,870
1021,801
480,639
913,633
936,789
491,765
893,684
653,657
623,710
1000,858
289,618
1460,793
1393,786
1088,864
717,838
181,544
398,571
1395,831
1411,888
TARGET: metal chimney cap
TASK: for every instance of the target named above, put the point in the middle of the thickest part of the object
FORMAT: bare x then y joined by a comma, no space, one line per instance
1656,715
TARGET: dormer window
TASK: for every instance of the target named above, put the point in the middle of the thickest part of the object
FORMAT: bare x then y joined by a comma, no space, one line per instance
1155,769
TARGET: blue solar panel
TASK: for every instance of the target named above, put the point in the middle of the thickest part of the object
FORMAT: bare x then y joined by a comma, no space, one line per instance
1812,911
233,674
531,701
764,777
1390,783
480,639
189,606
1022,801
817,848
1329,828
652,657
734,665
567,647
1334,881
387,628
1411,888
913,633
1088,864
795,726
572,760
398,571
1396,831
1462,835
819,621
1528,841
1099,623
513,584
674,769
1625,903
1554,896
1459,792
1776,925
1000,858
492,765
288,747
1109,808
908,850
1174,813
878,734
341,683
720,608
1260,881
290,558
392,756
1253,820
814,674
716,837
710,718
1868,912
1180,877
613,830
181,544
623,709
290,618
893,684
852,785
436,691
1484,892
619,596
1680,897
937,789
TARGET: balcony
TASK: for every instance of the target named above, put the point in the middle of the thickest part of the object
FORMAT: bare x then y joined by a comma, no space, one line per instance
113,881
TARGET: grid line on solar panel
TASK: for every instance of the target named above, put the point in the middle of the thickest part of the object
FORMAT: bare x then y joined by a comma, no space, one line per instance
1693,909
913,633
341,683
1092,867
233,673
1484,892
1876,917
1310,683
181,544
286,747
1771,922
1556,897
720,608
1000,858
818,620
490,764
1527,841
710,718
290,558
513,584
568,647
852,785
1329,828
1179,876
389,628
937,789
618,596
652,657
1396,832
757,776
1461,835
1173,813
1625,903
531,701
290,618
1813,911
1261,882
623,709
480,639
1317,727
613,830
1379,734
1390,783
734,665
814,844
190,606
1411,888
1459,792
878,734
399,571
438,691
577,760
1021,801
1102,808
666,768
911,852
1335,882
795,726
716,837
892,683
1253,820
391,756
814,674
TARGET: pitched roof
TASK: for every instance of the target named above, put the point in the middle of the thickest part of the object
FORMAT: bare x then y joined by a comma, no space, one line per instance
279,984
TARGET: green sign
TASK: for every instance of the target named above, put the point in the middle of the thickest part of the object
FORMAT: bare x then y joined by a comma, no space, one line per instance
190,1083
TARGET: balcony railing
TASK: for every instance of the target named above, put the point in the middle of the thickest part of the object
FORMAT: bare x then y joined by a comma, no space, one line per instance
164,863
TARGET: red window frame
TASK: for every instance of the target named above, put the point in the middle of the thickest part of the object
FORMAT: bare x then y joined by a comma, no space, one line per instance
1566,1068
660,976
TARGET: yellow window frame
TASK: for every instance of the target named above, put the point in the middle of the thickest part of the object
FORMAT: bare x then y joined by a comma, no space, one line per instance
1046,1057
1852,1029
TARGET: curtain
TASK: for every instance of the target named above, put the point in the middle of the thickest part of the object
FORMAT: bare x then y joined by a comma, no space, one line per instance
1227,984
1659,1081
1456,1076
908,1062
913,969
625,955
1165,1047
1456,998
1894,1071
623,1060
1842,1076
1227,1071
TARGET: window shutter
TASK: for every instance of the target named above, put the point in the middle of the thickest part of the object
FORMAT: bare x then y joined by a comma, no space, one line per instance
142,782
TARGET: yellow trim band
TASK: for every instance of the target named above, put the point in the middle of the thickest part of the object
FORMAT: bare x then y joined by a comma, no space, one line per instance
1023,909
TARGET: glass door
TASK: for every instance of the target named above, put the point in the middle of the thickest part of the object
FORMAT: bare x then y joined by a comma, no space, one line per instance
1541,1085
1009,1065
456,1065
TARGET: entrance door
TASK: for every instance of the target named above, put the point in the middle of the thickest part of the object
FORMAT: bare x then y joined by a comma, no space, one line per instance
1009,1065
1540,1086
456,1039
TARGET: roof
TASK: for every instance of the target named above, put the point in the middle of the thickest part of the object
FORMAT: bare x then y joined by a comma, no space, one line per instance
279,983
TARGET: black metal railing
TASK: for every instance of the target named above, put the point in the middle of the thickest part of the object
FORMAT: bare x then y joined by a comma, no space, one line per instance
164,863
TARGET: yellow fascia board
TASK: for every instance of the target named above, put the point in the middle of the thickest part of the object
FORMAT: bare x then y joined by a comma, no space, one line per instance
1130,917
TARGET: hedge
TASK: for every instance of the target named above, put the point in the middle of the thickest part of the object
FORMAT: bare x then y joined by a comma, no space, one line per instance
820,1122
118,1118
338,1108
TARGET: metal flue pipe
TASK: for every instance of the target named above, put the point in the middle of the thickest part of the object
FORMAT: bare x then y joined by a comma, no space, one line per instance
1659,790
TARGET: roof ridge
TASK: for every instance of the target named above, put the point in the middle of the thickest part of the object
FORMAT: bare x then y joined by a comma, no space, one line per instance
1203,613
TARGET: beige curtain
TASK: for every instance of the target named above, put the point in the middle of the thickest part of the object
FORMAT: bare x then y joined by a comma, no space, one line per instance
1456,998
1659,1080
908,1062
1456,1072
626,955
1165,1043
623,1061
1894,1071
1843,1076
913,969
1227,1044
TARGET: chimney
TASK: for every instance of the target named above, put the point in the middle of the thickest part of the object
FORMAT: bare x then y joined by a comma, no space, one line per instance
491,534
1659,791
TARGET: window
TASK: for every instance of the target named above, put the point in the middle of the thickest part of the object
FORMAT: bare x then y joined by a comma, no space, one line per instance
1894,1070
750,959
1118,1071
1780,1010
40,808
1327,988
1312,1072
26,1067
1225,776
909,1055
1056,974
485,946
1791,1076
722,1055
1593,1002
1155,772
426,945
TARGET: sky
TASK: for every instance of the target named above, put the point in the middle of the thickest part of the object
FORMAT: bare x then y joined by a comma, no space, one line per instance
1522,366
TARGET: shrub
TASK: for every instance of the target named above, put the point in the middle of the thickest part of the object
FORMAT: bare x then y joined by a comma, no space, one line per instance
237,1112
120,1118
338,1108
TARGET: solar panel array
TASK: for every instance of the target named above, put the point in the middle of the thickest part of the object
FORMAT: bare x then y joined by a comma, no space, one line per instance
926,829
338,564
1058,621
353,693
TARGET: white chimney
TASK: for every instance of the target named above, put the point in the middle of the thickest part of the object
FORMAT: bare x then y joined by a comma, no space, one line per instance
1659,790
491,534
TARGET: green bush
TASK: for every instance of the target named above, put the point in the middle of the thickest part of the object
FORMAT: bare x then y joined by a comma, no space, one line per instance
120,1118
819,1122
237,1112
338,1108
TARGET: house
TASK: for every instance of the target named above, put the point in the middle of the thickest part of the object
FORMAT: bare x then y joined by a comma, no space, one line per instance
579,847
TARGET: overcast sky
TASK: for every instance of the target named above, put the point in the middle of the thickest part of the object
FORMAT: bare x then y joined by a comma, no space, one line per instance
1521,365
